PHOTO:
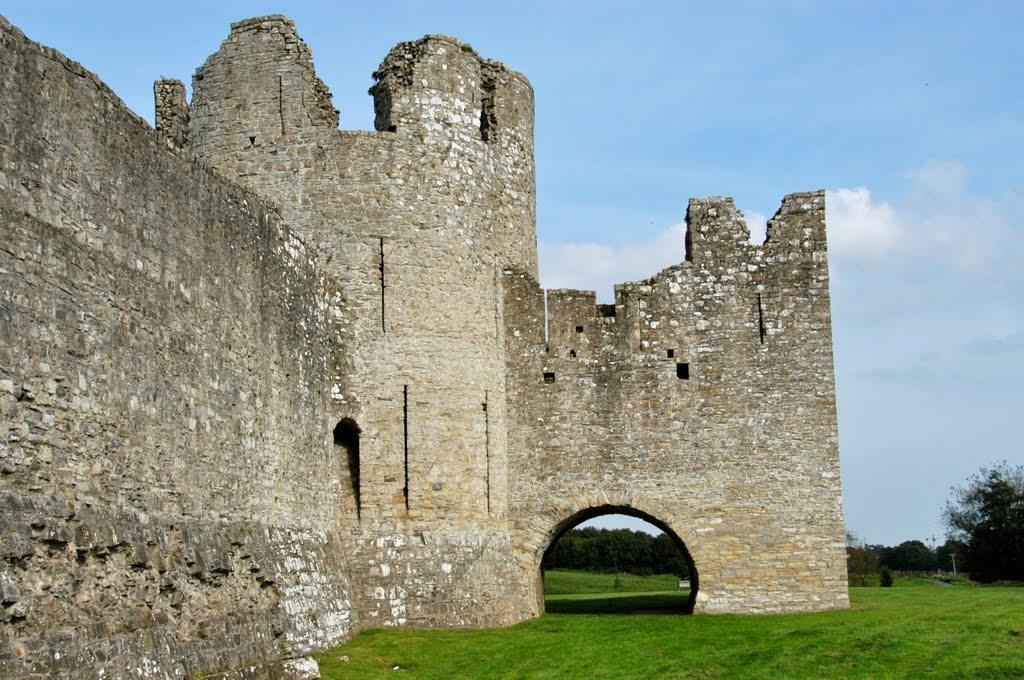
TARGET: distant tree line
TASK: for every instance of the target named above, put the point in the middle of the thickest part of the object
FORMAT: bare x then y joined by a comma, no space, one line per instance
985,523
616,551
864,561
909,556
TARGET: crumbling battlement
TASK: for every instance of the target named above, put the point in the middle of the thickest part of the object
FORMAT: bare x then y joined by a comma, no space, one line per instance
448,121
265,383
719,257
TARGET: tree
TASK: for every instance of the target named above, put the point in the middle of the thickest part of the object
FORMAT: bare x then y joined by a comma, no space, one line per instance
987,516
908,556
861,561
616,550
667,558
861,565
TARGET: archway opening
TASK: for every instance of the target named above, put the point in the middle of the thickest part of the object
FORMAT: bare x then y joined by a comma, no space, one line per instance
346,444
617,560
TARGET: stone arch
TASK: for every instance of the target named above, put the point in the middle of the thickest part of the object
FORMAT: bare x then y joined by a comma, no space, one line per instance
541,537
346,445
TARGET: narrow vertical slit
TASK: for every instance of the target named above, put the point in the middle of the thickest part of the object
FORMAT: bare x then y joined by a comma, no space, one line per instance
488,119
760,318
487,452
497,291
380,267
641,316
280,101
547,320
405,442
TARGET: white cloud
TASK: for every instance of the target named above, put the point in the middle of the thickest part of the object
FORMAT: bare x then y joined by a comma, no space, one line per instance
859,227
935,222
944,177
928,324
946,282
995,345
599,266
934,262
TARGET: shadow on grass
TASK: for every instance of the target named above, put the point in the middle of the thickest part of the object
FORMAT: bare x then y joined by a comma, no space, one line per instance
615,603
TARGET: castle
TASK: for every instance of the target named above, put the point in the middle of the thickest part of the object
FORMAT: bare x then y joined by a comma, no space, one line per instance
265,383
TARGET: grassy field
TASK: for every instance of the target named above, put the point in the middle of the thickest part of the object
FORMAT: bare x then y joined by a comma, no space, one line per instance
918,631
583,592
564,582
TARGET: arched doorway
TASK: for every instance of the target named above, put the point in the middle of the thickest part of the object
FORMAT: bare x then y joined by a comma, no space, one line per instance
582,516
346,447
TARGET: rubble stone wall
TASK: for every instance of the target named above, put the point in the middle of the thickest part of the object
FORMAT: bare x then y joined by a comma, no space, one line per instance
165,495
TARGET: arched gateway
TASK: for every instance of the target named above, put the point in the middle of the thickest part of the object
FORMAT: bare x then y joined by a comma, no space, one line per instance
585,514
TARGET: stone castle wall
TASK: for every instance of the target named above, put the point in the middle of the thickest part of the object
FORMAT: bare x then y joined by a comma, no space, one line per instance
164,498
268,382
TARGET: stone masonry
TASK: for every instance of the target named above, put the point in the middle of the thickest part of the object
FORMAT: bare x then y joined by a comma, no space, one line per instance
265,383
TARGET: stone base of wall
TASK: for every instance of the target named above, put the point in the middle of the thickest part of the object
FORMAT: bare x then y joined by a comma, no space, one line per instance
91,593
447,579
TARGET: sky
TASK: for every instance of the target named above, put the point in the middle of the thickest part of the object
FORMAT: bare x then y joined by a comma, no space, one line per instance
908,113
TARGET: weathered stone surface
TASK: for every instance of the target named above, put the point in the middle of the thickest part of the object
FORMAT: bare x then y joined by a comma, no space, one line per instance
305,668
164,348
172,112
265,383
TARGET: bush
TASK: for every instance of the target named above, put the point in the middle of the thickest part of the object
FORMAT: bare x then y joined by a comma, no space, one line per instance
886,577
861,565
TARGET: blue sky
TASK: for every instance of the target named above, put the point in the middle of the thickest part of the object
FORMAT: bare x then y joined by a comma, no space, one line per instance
909,113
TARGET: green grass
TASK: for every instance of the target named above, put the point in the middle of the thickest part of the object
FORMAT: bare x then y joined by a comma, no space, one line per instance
618,603
584,592
902,632
564,582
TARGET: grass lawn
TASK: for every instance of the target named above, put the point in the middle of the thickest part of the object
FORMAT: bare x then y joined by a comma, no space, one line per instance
584,592
908,632
565,582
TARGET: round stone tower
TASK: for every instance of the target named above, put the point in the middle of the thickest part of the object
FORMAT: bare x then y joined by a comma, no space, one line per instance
415,222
